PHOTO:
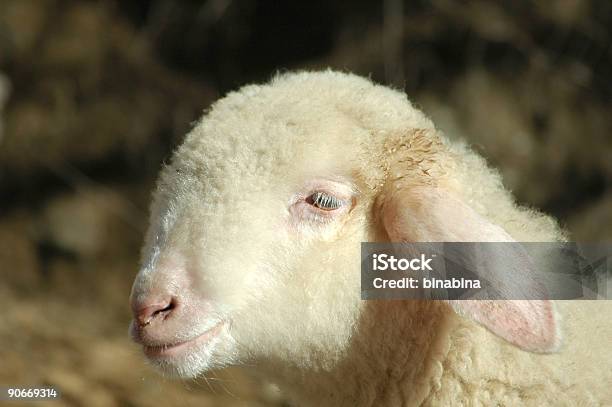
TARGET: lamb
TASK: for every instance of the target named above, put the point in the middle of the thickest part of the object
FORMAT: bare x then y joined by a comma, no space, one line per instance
252,258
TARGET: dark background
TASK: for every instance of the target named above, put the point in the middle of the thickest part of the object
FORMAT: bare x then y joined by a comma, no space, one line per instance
94,95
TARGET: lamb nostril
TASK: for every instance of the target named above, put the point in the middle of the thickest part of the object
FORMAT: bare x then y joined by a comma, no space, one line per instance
164,311
167,308
160,310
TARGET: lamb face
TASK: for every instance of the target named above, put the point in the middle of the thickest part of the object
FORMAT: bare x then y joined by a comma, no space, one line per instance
255,228
253,247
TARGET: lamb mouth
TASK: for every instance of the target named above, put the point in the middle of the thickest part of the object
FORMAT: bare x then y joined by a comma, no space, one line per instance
176,348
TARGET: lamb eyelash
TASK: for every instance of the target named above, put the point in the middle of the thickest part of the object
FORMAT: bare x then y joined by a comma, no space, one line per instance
326,201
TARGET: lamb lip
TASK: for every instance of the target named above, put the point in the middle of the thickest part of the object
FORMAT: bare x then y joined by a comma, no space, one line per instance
172,349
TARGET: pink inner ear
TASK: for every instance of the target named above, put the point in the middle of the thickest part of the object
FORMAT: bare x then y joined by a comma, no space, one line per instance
530,325
427,214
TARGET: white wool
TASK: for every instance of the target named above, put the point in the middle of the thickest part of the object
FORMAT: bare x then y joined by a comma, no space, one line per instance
291,295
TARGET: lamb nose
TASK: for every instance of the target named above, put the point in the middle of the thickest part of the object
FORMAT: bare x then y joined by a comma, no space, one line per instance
149,312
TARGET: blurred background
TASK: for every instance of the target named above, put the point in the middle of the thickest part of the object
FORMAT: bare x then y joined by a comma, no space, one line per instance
94,96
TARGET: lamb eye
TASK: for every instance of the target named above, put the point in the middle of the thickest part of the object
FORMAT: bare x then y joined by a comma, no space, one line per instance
324,201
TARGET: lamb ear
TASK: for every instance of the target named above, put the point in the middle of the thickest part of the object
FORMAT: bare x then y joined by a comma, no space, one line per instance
432,214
